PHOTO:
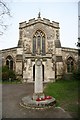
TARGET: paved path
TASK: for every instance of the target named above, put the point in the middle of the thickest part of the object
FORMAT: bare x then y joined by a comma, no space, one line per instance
12,95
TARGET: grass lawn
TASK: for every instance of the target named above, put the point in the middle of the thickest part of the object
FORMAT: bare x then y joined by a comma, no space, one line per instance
66,95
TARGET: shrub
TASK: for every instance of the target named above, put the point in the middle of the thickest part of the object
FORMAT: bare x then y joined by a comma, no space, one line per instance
76,74
12,75
4,76
8,74
5,73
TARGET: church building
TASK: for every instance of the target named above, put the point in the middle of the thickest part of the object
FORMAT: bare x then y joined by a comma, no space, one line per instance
40,38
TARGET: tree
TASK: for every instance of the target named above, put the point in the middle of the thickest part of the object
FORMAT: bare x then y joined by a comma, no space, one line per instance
4,11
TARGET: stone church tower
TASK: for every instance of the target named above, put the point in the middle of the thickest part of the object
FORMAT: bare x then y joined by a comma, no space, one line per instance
40,37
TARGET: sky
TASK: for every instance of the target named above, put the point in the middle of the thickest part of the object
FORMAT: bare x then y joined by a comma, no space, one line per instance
79,20
64,12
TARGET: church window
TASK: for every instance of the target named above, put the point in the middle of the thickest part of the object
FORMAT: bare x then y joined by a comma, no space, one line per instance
34,45
39,43
9,62
70,65
43,45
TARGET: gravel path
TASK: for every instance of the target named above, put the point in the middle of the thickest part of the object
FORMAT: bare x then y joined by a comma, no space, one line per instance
11,97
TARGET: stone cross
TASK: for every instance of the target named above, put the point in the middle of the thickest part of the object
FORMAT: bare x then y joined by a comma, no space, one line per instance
38,86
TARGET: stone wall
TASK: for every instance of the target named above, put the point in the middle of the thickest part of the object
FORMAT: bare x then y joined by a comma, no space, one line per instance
9,52
27,30
69,52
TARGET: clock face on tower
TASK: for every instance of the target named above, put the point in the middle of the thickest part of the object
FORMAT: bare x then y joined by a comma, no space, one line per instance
38,62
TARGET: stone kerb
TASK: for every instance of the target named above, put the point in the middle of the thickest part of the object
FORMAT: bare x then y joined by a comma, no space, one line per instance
28,102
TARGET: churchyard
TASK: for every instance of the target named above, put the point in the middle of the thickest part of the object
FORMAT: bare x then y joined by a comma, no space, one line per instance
65,92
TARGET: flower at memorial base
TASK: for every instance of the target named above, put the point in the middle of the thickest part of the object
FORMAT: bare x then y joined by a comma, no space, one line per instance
38,99
45,98
48,97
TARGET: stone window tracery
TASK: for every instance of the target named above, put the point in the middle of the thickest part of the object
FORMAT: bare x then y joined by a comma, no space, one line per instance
70,65
39,43
9,62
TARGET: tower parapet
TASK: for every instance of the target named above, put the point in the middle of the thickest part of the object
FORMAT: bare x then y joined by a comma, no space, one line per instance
39,20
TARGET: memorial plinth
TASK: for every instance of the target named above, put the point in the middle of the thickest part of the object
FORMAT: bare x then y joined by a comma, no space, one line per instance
38,100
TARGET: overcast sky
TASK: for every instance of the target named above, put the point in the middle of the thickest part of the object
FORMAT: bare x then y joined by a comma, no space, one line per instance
66,13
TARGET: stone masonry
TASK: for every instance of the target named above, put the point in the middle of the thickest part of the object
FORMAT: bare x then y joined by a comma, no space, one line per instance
42,37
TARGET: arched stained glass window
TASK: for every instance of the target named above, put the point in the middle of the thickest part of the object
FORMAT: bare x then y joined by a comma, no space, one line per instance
34,45
43,45
9,62
39,43
70,65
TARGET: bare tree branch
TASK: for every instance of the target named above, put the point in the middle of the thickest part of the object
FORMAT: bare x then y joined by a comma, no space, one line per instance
4,11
